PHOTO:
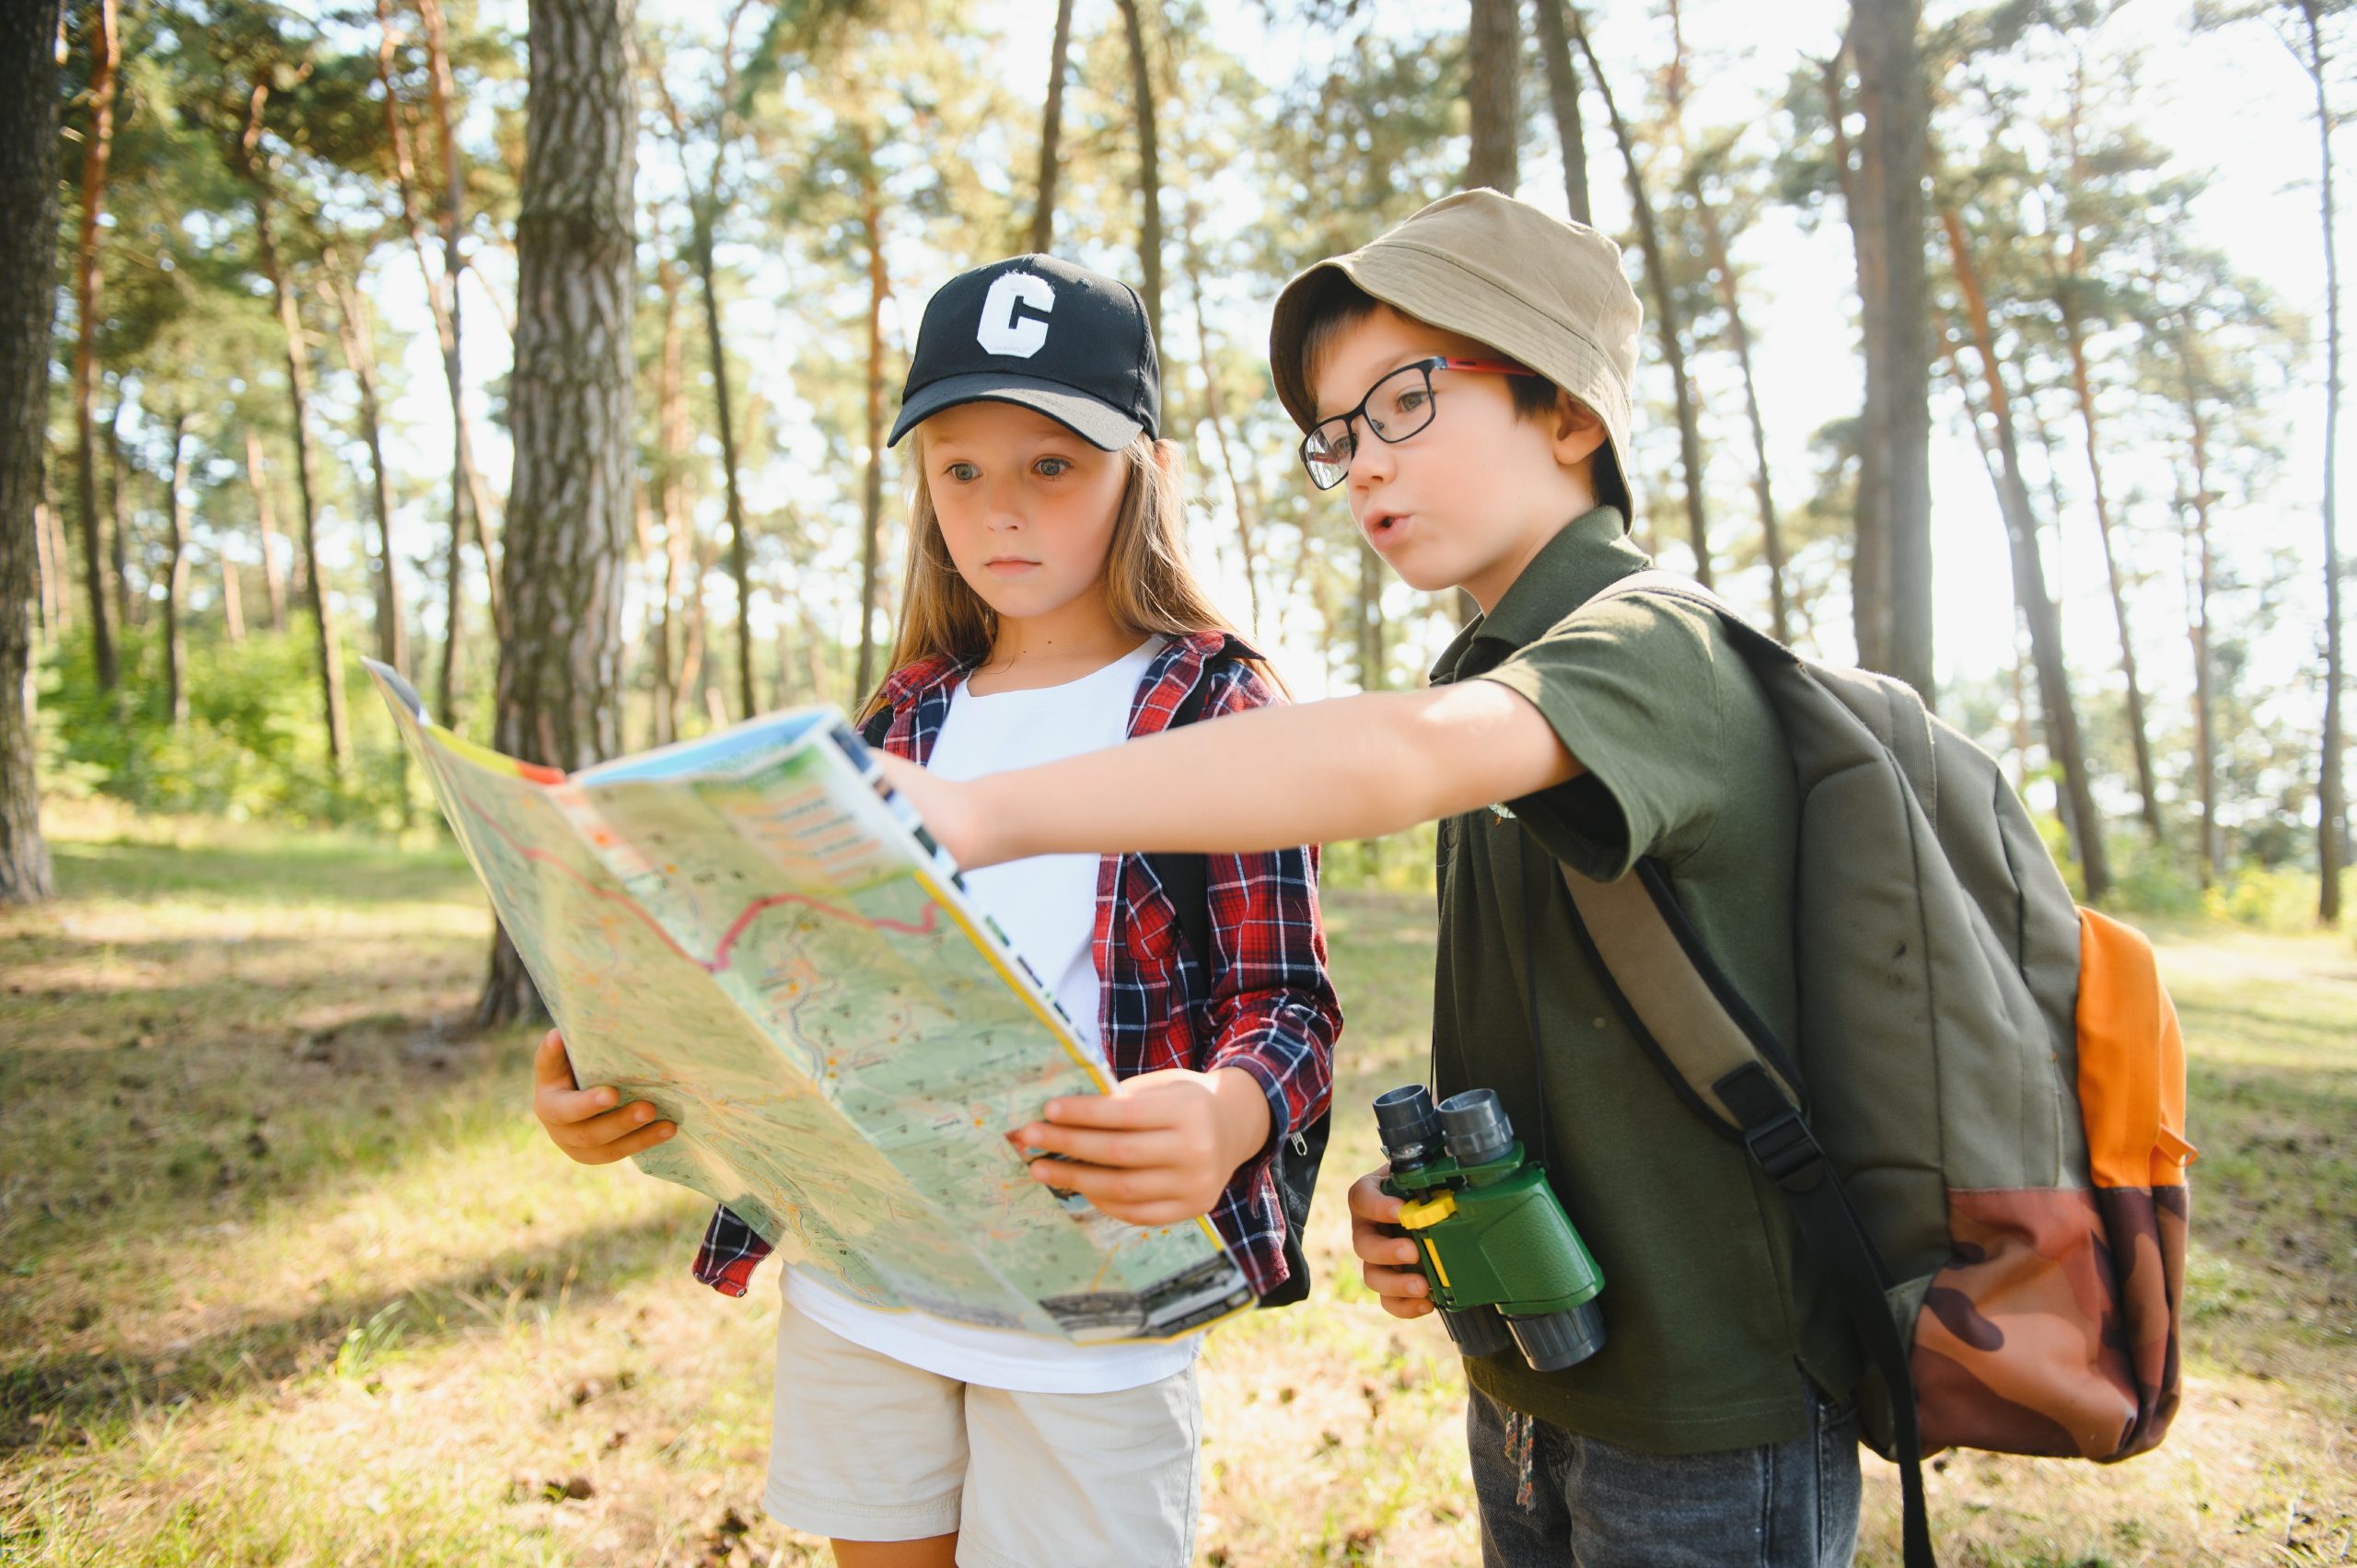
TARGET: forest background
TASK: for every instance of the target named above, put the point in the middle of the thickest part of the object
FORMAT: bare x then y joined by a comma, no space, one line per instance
543,350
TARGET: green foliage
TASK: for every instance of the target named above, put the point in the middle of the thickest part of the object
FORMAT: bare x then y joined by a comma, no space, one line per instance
254,744
2276,898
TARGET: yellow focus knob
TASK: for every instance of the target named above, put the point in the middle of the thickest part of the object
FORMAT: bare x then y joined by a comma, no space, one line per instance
1426,1212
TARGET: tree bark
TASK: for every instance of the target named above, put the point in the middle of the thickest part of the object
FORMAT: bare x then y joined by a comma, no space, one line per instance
1052,126
1149,172
360,354
1493,94
28,310
2029,581
1563,99
1714,244
127,608
1665,312
1887,220
273,576
567,557
298,391
1246,523
872,489
97,149
2332,804
176,578
672,440
2204,579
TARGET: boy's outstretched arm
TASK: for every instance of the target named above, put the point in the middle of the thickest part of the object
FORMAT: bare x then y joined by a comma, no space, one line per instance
1348,767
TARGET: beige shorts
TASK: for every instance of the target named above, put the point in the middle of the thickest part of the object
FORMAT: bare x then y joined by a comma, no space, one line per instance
864,1447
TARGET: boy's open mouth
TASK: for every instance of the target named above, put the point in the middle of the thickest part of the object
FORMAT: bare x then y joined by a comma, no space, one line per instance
1381,526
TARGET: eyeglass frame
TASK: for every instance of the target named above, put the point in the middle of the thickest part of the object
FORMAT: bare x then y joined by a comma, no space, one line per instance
1437,362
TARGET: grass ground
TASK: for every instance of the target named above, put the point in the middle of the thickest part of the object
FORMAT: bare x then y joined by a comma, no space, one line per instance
288,1275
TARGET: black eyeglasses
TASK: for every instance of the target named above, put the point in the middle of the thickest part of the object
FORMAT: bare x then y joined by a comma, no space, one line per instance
1394,408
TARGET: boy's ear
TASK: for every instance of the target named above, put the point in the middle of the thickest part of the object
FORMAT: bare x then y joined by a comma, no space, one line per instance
1578,434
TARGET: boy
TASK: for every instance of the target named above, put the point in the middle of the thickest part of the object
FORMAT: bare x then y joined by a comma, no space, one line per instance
1465,376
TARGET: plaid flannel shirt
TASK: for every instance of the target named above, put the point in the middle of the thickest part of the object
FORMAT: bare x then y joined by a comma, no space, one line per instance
1265,1005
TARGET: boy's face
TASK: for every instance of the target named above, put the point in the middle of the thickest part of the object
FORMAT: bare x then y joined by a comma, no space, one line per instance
1466,501
1026,506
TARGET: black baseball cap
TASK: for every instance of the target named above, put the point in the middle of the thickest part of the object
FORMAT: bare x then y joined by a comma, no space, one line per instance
1042,334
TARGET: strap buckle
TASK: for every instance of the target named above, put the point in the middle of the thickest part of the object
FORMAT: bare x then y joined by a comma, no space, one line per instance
1784,1148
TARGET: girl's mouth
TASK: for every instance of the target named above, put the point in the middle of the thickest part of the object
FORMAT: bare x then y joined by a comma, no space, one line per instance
1009,567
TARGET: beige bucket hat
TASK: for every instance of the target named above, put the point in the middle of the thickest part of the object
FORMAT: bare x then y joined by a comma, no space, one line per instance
1545,293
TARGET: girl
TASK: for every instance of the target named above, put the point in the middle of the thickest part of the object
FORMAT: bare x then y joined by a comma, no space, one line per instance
1050,610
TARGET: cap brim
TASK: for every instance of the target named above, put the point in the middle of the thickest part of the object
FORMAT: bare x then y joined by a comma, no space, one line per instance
1085,417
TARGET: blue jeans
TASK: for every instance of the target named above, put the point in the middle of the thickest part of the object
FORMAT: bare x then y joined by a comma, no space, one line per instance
1553,1499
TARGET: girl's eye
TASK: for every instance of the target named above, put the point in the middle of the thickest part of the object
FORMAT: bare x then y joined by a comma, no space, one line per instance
1051,467
962,472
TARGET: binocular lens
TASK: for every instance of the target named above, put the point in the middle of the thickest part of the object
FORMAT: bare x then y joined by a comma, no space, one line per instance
1475,1126
1407,1124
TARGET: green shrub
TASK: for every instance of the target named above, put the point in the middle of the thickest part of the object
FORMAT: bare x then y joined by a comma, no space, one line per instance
254,743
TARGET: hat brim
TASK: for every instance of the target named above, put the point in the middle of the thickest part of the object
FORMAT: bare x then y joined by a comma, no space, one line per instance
1095,423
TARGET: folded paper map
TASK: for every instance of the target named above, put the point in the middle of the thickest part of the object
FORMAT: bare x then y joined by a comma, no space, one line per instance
753,932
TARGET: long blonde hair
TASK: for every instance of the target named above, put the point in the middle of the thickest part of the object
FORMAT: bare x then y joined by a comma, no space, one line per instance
1150,586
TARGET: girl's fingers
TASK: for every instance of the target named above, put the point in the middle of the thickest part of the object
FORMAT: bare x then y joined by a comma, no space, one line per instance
1144,1147
645,1138
602,1132
1101,1184
551,1067
565,1107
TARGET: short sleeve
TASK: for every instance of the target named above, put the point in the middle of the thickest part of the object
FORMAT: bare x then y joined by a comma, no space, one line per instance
1631,686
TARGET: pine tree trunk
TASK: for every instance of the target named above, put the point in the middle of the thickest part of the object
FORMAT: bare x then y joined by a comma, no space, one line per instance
127,609
176,578
233,599
97,149
1052,126
872,488
1563,99
740,554
2203,582
672,435
2332,804
274,575
1888,217
1666,313
566,550
1246,520
49,566
2029,582
1493,94
2146,791
298,392
27,307
360,356
1149,171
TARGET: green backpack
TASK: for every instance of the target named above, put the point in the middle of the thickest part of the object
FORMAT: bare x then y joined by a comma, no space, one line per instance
1980,1125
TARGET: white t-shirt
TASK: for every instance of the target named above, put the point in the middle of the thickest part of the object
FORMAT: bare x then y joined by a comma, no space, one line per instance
1047,905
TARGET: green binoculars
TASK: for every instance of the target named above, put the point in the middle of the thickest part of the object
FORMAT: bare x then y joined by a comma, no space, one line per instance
1505,1267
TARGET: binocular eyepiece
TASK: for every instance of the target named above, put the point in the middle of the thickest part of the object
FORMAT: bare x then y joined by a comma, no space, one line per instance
1504,1265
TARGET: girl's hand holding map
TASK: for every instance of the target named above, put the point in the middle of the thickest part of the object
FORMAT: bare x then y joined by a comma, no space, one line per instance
586,1123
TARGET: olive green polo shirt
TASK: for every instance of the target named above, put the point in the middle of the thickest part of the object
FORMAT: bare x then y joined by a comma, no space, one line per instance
1709,1320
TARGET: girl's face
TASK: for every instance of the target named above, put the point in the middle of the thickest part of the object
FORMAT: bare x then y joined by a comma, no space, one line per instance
1026,506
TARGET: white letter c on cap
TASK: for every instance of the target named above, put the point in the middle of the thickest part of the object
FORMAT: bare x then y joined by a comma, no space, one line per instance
1003,332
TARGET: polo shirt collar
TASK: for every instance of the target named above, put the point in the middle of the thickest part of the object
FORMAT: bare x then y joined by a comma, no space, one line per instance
1588,555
